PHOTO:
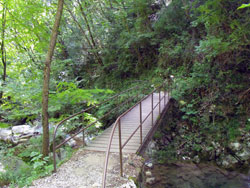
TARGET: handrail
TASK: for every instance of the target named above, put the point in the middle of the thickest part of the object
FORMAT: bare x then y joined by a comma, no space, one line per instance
55,147
118,123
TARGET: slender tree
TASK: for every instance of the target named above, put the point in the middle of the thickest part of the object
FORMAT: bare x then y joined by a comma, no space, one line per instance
3,51
45,99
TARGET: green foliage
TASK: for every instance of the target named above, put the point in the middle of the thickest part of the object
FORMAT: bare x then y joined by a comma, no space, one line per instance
4,125
244,6
24,163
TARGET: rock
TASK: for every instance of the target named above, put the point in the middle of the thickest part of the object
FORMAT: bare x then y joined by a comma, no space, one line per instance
6,135
19,134
245,154
196,159
150,181
149,164
228,162
186,158
23,133
148,173
22,130
236,146
38,129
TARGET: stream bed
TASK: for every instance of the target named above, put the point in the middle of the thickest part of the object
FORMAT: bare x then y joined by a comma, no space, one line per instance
190,175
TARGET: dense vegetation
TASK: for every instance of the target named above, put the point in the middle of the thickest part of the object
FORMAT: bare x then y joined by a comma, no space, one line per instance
201,47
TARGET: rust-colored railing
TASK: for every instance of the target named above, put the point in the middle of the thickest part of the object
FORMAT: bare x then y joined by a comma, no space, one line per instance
118,123
55,147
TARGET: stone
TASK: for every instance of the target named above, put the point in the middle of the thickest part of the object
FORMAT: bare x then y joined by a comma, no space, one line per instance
149,164
150,181
245,154
196,159
186,158
22,130
6,135
38,129
228,162
236,146
148,173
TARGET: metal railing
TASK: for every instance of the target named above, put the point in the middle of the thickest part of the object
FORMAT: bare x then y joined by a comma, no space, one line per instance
55,147
118,124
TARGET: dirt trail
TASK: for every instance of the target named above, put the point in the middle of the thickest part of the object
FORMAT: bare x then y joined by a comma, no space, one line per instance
85,168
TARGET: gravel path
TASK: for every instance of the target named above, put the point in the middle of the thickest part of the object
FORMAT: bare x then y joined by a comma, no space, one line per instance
85,168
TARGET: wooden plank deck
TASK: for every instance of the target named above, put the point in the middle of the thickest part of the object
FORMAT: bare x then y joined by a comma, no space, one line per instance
129,123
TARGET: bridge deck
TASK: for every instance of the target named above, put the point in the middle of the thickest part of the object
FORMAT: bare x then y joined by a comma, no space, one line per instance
129,123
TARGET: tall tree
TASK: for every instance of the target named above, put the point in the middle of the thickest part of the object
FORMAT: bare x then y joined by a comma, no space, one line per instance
3,50
45,96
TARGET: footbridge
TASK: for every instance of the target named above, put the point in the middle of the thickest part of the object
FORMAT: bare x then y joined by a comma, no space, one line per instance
133,128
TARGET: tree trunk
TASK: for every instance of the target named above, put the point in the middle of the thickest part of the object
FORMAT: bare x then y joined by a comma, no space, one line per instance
45,97
3,51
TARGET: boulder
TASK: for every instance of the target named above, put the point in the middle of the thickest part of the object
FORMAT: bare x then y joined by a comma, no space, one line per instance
19,134
22,130
236,146
6,135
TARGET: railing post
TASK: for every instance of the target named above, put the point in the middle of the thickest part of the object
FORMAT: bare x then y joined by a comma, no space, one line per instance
164,96
83,136
120,147
140,124
54,154
159,102
152,107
